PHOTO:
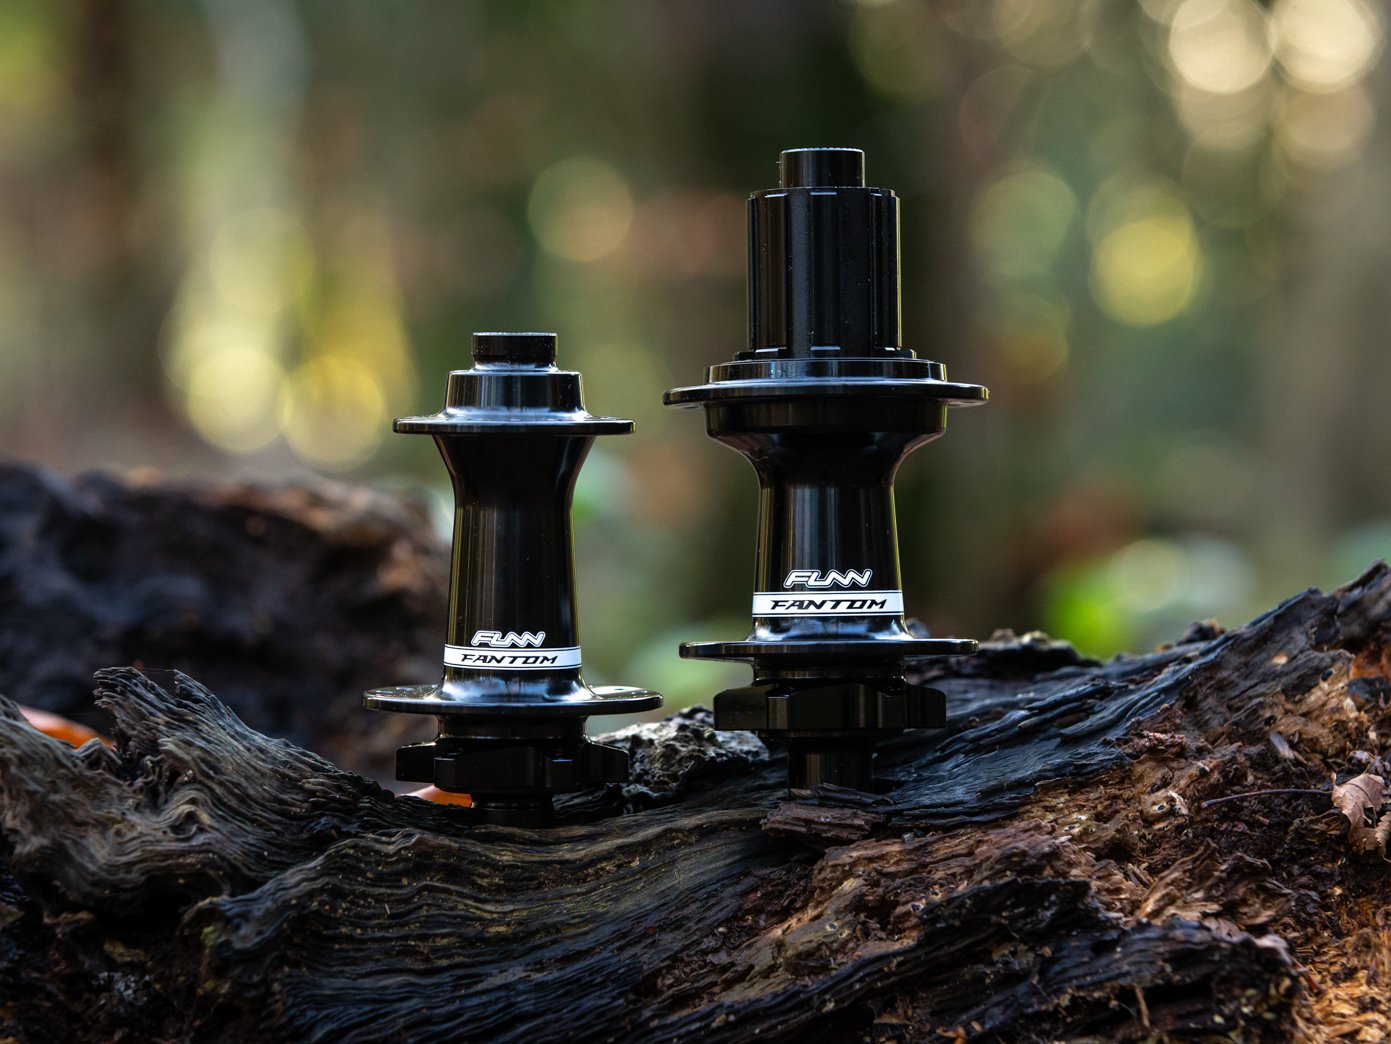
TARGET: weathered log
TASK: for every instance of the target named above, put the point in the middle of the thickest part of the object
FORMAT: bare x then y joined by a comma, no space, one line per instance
288,601
1043,869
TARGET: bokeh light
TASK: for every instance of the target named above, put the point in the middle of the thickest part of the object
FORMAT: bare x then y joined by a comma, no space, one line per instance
580,209
1045,34
1030,335
333,411
1326,44
30,68
1021,220
258,260
897,49
1220,46
1327,130
1146,263
1153,585
231,397
1235,121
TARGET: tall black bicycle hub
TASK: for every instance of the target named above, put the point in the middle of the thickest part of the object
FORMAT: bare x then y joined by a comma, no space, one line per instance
512,703
826,403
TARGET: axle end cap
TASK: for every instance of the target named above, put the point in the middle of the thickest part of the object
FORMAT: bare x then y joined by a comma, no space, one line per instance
822,168
514,349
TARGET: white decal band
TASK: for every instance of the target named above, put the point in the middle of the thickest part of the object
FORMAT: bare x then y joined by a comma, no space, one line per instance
815,603
478,659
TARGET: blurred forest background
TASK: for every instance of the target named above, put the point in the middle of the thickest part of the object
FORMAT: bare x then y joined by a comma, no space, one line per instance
238,236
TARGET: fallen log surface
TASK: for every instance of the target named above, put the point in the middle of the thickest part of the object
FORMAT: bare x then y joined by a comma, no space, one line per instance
1045,868
286,601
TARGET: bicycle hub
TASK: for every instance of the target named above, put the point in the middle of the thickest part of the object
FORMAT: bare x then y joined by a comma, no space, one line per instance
826,403
512,703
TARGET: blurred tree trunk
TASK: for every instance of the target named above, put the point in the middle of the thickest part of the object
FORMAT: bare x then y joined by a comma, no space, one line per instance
122,301
1325,380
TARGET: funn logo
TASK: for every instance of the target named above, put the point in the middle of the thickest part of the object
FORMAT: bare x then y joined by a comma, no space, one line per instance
815,578
510,640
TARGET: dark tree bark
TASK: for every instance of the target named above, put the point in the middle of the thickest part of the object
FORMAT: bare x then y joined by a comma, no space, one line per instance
288,602
1043,869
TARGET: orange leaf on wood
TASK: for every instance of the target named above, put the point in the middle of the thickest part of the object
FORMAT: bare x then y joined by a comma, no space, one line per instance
60,728
441,797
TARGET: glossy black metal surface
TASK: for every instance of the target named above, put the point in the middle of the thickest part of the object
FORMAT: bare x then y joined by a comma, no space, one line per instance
823,260
825,403
512,702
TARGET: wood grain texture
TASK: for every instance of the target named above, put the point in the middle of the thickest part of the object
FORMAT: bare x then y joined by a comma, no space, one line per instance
1042,869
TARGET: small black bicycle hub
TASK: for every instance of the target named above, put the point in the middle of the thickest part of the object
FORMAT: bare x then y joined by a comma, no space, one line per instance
512,703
